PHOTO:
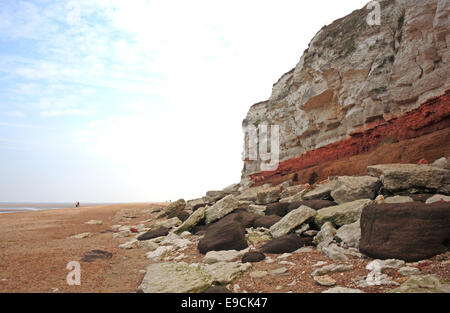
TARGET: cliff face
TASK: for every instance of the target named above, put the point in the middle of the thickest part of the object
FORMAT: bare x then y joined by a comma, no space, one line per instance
357,85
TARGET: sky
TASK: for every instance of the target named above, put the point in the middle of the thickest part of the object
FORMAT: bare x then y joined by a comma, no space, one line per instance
132,101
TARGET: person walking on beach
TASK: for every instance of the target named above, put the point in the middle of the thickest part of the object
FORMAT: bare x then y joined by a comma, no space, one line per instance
77,204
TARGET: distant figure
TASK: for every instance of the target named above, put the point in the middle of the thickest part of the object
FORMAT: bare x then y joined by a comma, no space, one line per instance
77,204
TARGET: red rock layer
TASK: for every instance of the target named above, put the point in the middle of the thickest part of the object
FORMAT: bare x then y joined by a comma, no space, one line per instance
432,116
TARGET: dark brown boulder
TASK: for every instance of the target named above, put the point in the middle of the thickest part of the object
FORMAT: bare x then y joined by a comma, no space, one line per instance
226,234
182,215
253,257
286,244
154,233
266,221
246,219
280,209
407,231
96,254
200,229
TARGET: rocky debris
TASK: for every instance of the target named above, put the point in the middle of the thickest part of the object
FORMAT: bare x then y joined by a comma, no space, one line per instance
282,271
442,163
294,198
398,199
291,191
176,206
225,272
82,235
311,233
250,194
438,198
342,214
192,220
257,209
226,234
149,245
181,215
342,290
423,284
170,223
122,234
325,236
267,221
174,278
332,268
176,241
133,244
214,196
412,178
94,222
222,256
195,204
406,231
291,221
217,289
408,271
351,188
258,274
325,280
96,254
154,233
221,208
287,243
158,253
376,277
255,235
335,252
253,257
270,195
300,230
321,192
349,234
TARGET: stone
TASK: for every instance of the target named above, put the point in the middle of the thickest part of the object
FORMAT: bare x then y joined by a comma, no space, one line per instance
253,257
158,253
96,254
223,235
192,220
257,209
221,208
222,256
325,280
154,233
311,233
325,236
332,268
149,245
174,240
185,234
375,277
321,192
256,235
408,271
174,278
178,205
349,234
438,198
195,204
334,252
181,215
407,231
294,198
286,244
342,290
343,214
443,163
412,178
217,289
214,196
133,244
423,284
225,272
170,223
94,222
291,221
258,274
380,199
82,235
282,271
122,234
270,195
300,230
398,199
351,188
267,221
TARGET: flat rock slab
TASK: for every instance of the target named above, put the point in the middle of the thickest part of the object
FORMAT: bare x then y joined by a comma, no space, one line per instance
225,272
174,278
286,244
343,214
154,233
95,255
291,221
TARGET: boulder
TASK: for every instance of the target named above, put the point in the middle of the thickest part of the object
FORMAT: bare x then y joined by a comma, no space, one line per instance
225,234
286,244
173,207
270,195
343,214
154,233
222,256
195,204
257,209
192,220
322,191
96,254
442,163
349,234
214,196
158,253
291,221
221,208
351,188
291,191
406,231
170,223
412,178
281,208
255,235
438,198
225,272
325,236
133,244
423,284
181,215
253,257
174,278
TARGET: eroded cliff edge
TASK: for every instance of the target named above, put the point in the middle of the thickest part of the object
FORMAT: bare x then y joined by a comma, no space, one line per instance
357,87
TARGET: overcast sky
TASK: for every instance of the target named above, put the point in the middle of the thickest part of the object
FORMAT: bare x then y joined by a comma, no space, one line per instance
113,100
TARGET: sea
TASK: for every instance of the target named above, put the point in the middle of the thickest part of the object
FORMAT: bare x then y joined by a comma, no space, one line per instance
14,207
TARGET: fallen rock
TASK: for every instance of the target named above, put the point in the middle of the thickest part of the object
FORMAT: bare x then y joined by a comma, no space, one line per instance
332,268
173,207
214,196
122,234
258,274
423,284
223,235
322,191
288,243
133,244
267,196
291,221
412,178
253,257
170,223
174,278
325,236
351,188
181,215
157,254
96,254
408,271
349,234
217,289
225,272
154,233
257,209
407,231
398,199
267,221
438,198
443,163
342,290
222,256
255,235
221,208
195,204
149,245
282,271
82,235
191,221
343,214
325,280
